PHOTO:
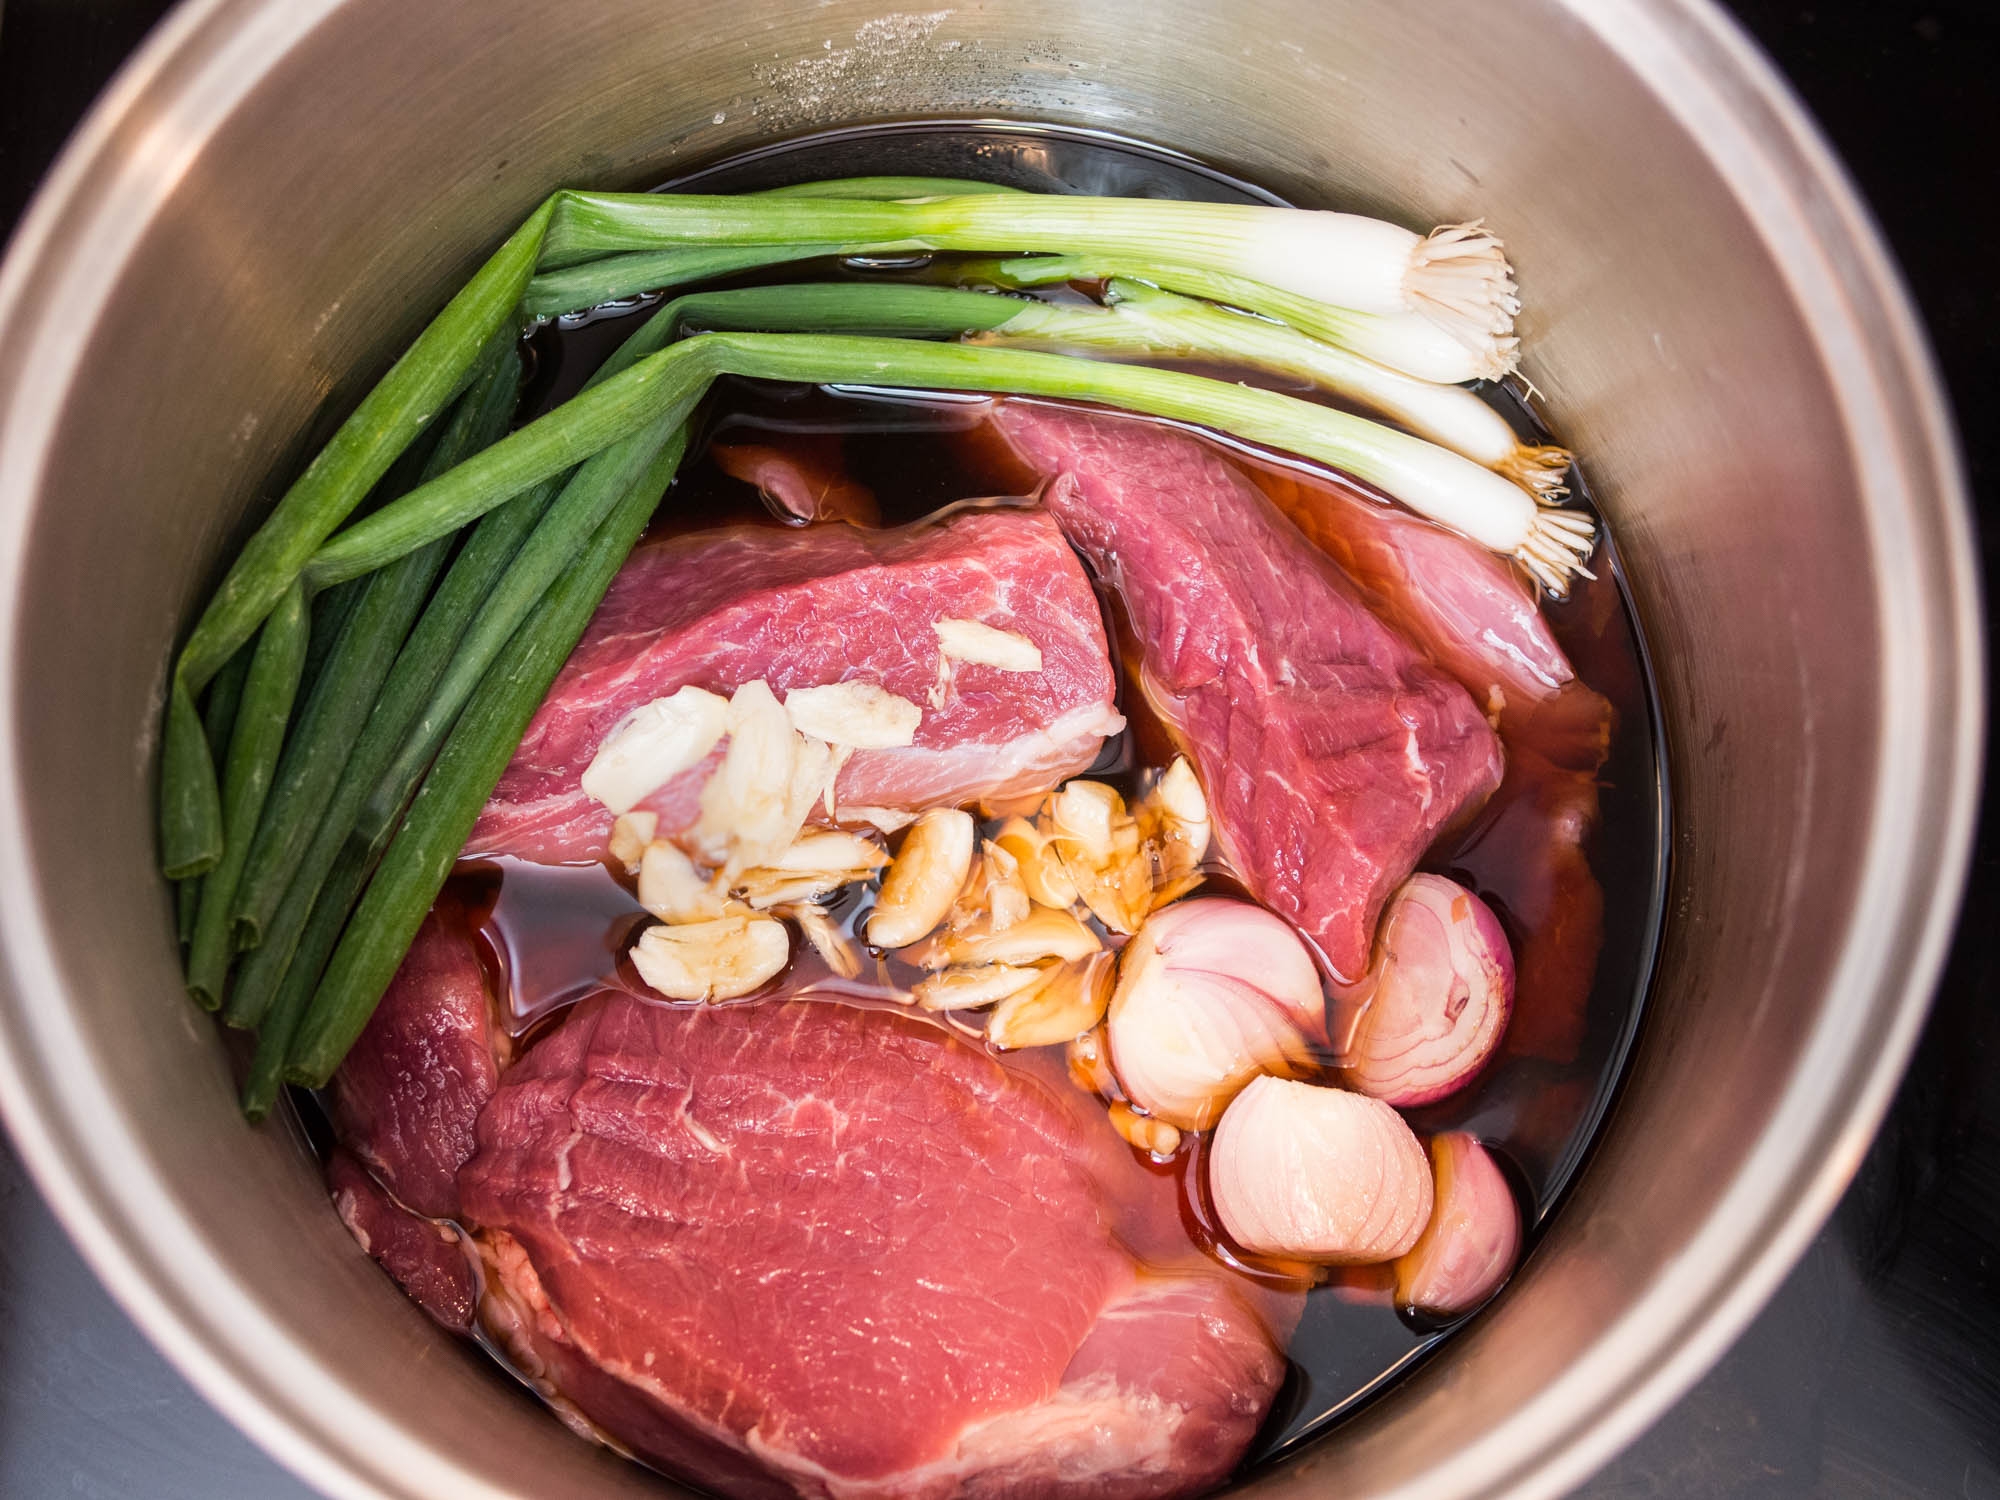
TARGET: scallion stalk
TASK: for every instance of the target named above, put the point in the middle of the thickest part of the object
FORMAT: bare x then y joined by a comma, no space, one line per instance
254,742
435,829
278,977
1144,322
1457,275
885,189
339,704
1409,342
599,486
434,368
218,718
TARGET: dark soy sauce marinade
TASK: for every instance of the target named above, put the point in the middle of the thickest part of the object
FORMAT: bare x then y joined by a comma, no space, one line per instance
551,934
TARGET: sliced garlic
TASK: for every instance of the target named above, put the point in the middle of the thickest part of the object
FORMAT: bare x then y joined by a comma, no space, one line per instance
1043,934
969,989
814,865
832,945
1150,1135
672,889
657,742
630,834
862,715
1101,848
1043,873
719,959
1068,1002
882,819
747,807
983,645
924,880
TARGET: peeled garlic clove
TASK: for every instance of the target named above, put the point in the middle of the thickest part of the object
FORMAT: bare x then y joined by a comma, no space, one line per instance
1042,934
1314,1173
969,989
1043,874
630,834
924,880
828,941
1083,815
719,959
980,644
1088,1059
1211,993
1177,811
994,897
747,804
1473,1237
1068,1002
657,742
672,889
1156,1137
861,715
1443,989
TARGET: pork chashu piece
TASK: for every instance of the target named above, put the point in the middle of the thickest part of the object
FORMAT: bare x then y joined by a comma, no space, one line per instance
1332,753
798,1246
720,608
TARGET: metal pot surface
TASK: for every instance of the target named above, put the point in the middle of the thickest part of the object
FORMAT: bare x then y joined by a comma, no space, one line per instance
273,195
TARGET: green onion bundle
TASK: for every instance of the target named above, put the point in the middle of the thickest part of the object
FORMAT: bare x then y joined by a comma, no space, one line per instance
367,680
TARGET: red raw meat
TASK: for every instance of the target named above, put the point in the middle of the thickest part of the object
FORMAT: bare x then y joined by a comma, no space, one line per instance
1331,752
427,1260
407,1096
825,604
813,1247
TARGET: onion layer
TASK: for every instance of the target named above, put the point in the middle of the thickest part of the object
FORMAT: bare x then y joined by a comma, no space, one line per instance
1210,993
1315,1173
1473,1237
1443,989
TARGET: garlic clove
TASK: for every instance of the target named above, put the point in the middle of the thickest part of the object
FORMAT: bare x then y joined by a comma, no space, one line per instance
1068,1003
748,802
1442,990
630,834
672,889
924,879
1322,1174
1210,994
1175,813
982,645
655,743
828,941
969,989
1474,1235
1042,872
1088,1059
861,715
1155,1137
1042,934
719,959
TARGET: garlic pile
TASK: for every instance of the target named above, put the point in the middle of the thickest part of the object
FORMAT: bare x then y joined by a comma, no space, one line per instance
1002,925
753,860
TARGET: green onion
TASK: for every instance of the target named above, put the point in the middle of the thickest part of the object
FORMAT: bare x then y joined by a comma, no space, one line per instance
278,978
424,850
1141,321
1409,342
318,748
433,369
575,288
1457,275
254,741
599,486
218,718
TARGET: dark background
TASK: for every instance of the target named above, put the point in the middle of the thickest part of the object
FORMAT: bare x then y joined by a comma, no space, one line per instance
1875,1371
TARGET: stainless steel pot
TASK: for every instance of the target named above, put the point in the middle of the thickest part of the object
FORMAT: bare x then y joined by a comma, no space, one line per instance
270,196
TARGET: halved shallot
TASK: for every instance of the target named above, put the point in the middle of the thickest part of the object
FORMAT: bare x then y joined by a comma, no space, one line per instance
1474,1235
1315,1173
1211,992
1443,988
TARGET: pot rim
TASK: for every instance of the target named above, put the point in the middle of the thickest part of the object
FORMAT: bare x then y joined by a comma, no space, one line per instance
198,64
